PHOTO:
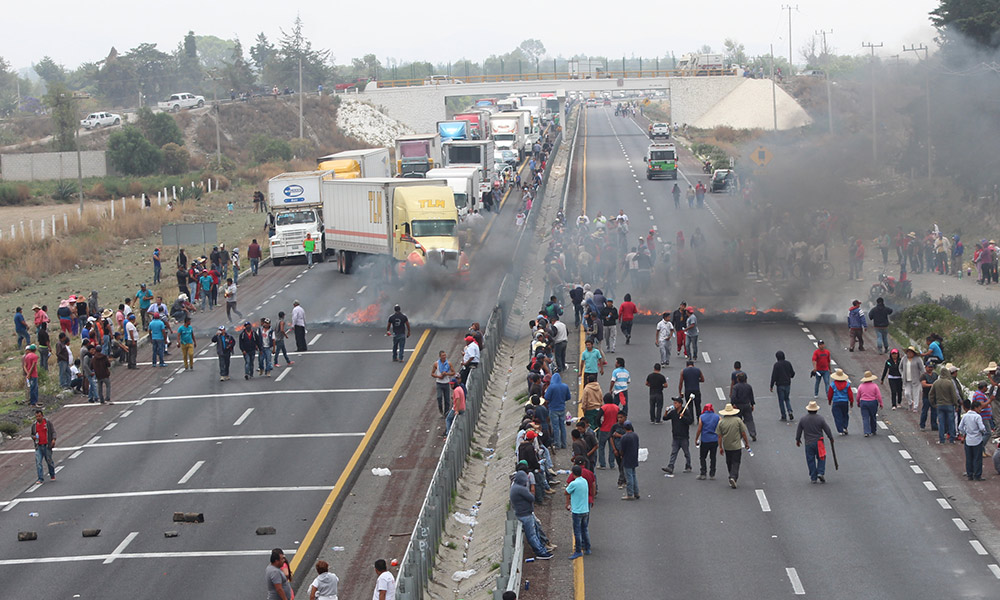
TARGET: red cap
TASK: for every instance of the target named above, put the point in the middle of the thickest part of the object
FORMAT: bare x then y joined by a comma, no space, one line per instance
469,338
530,435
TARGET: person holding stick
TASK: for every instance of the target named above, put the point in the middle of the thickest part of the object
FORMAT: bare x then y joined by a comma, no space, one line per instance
814,427
681,419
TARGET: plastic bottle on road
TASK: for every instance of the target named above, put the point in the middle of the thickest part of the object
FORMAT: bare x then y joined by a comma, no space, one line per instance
749,450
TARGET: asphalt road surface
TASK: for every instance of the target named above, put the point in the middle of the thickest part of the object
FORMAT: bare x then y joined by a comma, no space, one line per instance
878,529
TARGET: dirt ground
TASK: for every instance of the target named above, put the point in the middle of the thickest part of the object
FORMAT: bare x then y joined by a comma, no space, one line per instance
13,215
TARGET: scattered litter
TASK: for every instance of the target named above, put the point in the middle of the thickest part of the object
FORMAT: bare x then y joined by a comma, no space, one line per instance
562,472
465,519
32,514
337,548
643,454
460,575
381,472
668,475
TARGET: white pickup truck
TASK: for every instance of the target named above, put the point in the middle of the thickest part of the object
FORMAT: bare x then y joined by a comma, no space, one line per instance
182,100
100,119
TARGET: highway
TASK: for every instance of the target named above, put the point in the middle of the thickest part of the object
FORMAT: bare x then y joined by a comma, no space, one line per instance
879,528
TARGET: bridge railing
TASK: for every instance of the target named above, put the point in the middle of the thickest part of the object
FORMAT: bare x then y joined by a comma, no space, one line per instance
516,77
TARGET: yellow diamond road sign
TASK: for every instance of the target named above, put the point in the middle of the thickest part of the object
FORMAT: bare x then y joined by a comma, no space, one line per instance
761,156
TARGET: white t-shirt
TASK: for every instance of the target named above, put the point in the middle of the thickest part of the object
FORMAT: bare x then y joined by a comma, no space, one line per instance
664,331
471,351
230,293
561,335
387,583
127,311
131,333
326,586
74,372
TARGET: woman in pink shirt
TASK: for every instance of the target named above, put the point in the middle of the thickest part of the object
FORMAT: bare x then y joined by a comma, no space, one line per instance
870,400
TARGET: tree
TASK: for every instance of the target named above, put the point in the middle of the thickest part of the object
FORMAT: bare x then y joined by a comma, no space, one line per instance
64,117
262,53
116,80
735,52
49,71
8,88
175,159
213,52
237,70
187,61
159,128
976,20
532,49
131,153
294,46
263,149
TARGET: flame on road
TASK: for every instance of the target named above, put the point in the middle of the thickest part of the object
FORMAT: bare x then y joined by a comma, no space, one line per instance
369,314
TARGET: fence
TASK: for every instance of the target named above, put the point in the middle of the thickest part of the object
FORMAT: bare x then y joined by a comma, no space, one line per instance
415,569
53,165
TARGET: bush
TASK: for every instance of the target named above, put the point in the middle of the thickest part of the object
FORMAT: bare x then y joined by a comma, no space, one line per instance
221,181
159,128
131,153
134,188
13,194
65,190
98,192
9,429
189,193
264,149
302,148
175,159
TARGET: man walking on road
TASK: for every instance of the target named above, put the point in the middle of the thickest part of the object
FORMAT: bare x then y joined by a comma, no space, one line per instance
253,253
630,461
680,419
100,364
733,436
880,321
299,324
781,378
29,364
249,346
158,340
626,312
441,373
230,294
679,320
821,367
43,434
813,427
657,384
742,399
523,503
399,328
691,335
224,345
690,384
278,586
975,432
911,368
561,342
840,397
187,343
578,503
664,333
609,416
132,341
707,440
591,362
609,316
857,323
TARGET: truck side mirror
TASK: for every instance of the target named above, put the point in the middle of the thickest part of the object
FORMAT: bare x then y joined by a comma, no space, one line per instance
644,159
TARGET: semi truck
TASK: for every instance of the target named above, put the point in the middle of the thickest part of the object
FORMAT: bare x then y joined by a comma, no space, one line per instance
416,154
702,64
297,203
479,123
465,183
507,130
352,164
453,130
473,153
409,222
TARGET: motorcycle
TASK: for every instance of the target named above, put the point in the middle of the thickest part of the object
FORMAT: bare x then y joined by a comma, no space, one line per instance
890,286
707,167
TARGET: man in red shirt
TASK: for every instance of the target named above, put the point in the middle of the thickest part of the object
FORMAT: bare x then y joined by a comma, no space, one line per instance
30,366
44,436
253,253
609,416
821,367
626,312
586,474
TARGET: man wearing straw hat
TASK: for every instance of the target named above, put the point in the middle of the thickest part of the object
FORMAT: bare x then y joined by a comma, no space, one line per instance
911,368
733,437
813,427
841,398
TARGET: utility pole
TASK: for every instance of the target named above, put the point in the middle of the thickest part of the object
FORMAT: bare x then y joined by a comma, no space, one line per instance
826,72
774,94
789,8
927,92
301,120
874,125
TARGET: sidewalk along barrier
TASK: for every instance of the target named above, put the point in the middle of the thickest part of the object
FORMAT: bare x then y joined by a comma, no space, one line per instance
512,560
415,569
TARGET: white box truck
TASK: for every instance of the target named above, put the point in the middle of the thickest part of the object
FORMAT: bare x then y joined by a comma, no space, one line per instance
507,131
473,153
409,222
353,164
296,199
465,183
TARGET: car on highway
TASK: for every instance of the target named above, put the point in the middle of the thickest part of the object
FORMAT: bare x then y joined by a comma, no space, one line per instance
723,180
591,103
181,100
441,79
505,156
657,130
607,102
100,119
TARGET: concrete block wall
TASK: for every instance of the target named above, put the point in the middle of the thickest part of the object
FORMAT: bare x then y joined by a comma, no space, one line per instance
52,165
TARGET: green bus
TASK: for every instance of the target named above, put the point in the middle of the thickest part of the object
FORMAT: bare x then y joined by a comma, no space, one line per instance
661,161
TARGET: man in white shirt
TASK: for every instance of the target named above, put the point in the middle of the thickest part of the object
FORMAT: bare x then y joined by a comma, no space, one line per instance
385,585
470,358
131,340
664,333
561,341
299,323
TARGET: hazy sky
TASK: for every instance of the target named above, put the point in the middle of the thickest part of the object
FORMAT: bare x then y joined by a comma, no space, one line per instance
73,32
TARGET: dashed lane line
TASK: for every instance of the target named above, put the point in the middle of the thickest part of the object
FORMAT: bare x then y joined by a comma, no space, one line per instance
706,357
905,454
215,438
793,576
243,417
111,426
133,555
283,374
960,524
721,394
187,476
995,569
916,469
315,339
944,503
978,547
930,486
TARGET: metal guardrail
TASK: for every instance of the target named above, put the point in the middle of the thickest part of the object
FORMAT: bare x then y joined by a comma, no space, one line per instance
418,561
512,564
512,77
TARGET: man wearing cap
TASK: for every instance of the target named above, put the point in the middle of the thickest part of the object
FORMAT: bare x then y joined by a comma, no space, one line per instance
250,345
29,364
944,396
187,343
224,345
609,317
266,334
664,333
399,328
523,504
470,358
857,323
732,434
813,427
157,337
132,340
145,299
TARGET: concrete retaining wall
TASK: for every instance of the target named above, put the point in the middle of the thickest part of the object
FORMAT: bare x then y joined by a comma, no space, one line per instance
52,165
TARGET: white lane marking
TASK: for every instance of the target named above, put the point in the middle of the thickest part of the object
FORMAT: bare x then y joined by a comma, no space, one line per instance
179,371
793,576
995,569
705,357
11,504
810,336
190,473
271,297
33,487
174,492
893,439
930,486
339,312
944,503
59,468
905,454
92,440
283,373
978,547
243,417
156,391
75,454
648,208
203,352
121,548
721,394
217,438
111,426
960,524
917,469
158,555
650,217
833,362
881,425
138,402
286,285
169,379
762,498
805,329
259,307
362,290
126,413
315,338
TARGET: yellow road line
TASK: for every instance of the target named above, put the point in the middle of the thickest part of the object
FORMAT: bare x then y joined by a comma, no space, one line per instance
579,582
352,464
579,585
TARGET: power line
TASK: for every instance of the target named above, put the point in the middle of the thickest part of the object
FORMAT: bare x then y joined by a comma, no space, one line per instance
874,125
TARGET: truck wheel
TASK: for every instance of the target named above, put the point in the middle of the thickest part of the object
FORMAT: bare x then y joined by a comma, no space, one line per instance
340,261
176,108
201,103
348,262
649,177
118,122
319,257
277,261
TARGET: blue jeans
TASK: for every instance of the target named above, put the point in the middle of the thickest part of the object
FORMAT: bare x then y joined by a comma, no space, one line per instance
823,376
64,374
44,452
248,363
309,258
557,418
156,273
604,438
577,313
398,342
783,402
254,264
946,422
450,418
841,415
817,465
204,300
236,276
33,391
279,349
882,338
531,534
631,483
264,360
158,352
869,408
581,532
92,395
23,335
691,346
443,396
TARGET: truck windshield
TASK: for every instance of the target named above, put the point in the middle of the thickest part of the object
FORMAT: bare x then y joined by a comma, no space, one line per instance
461,200
437,227
464,154
661,155
503,137
295,218
412,150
